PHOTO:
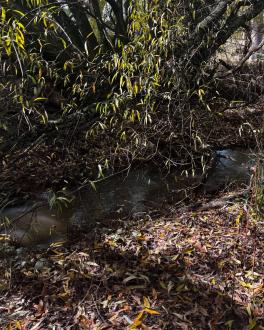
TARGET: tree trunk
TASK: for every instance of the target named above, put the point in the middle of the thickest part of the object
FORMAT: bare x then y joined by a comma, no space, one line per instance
225,17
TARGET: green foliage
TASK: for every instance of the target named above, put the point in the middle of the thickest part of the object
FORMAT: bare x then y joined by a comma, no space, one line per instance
59,200
133,69
138,71
48,41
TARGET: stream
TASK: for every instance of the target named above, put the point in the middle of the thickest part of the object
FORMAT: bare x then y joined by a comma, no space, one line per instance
134,194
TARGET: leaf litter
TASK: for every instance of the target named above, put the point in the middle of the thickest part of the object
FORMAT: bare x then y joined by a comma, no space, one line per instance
189,270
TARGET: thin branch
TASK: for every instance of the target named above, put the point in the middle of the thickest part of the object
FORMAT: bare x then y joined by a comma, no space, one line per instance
243,60
18,58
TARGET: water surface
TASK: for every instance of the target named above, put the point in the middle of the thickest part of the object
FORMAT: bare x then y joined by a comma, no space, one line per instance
133,194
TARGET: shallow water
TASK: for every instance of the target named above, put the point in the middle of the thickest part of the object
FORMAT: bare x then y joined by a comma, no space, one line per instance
133,194
35,225
232,166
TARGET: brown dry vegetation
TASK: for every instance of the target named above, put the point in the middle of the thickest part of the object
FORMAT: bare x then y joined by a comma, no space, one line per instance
188,270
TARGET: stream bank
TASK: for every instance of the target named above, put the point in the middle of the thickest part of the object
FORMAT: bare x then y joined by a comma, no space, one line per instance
143,273
148,269
135,194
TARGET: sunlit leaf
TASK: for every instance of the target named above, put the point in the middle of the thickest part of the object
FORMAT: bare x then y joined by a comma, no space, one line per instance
151,311
146,302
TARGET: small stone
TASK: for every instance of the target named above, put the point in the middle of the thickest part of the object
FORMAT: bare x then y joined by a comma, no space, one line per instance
20,251
41,264
23,263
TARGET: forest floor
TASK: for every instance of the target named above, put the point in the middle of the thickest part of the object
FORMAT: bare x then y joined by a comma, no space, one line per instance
187,270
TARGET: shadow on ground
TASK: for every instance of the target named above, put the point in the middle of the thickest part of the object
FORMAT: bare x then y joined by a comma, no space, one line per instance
190,271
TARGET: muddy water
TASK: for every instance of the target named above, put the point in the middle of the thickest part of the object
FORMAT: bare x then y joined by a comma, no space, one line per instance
35,225
133,194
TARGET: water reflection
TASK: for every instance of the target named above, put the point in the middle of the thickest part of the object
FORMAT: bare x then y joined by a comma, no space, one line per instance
232,166
34,225
133,194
